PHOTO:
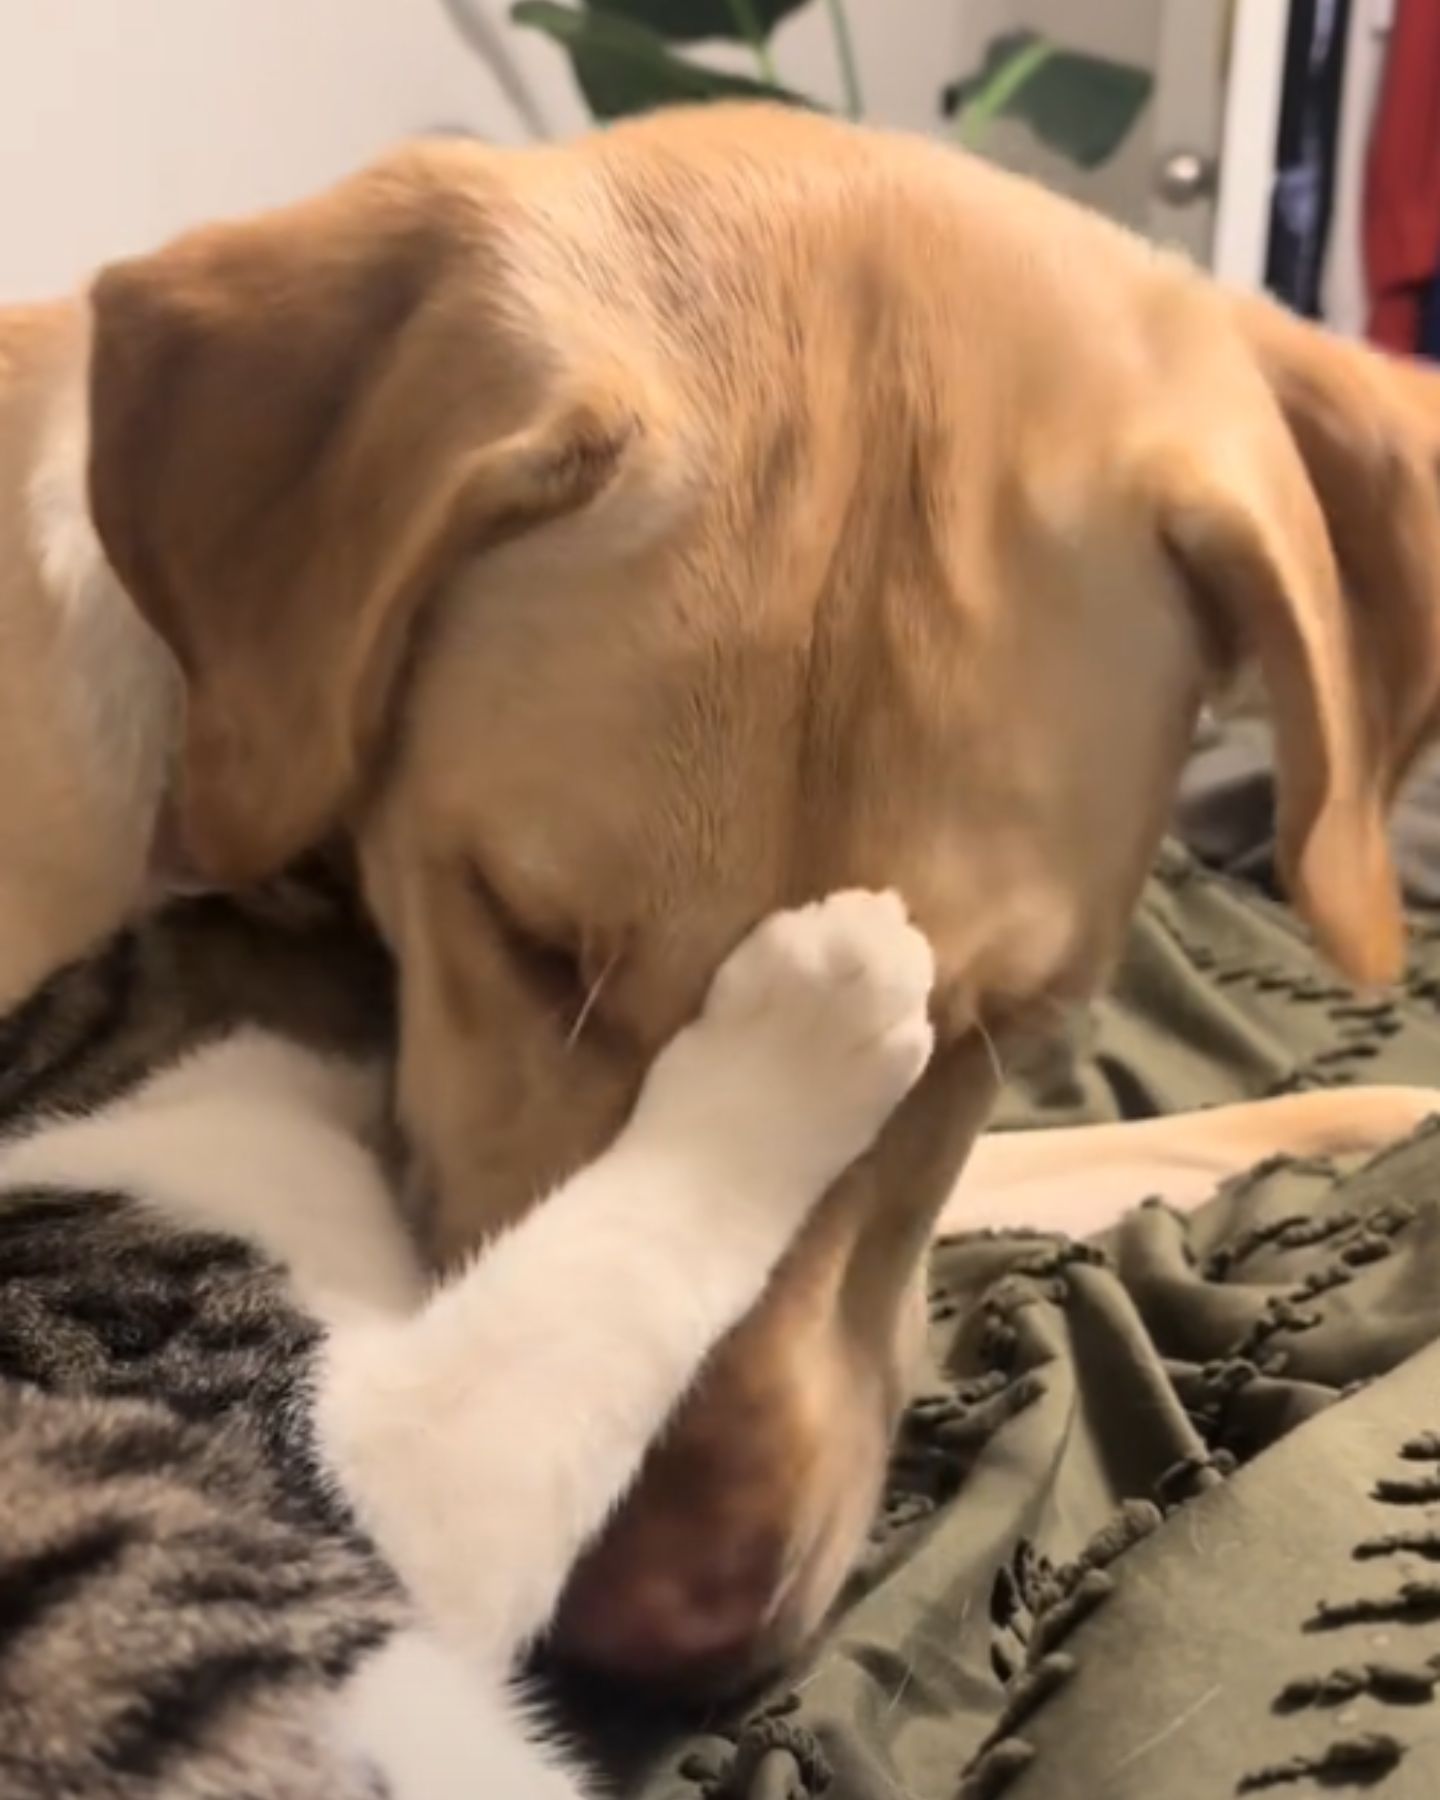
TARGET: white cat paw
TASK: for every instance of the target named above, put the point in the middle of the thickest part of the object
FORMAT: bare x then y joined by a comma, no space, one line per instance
814,1030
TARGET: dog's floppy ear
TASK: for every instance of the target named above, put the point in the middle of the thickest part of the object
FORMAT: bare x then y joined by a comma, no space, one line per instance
1305,513
300,424
1367,427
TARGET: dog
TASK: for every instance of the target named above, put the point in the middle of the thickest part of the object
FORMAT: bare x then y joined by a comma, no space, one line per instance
616,542
87,701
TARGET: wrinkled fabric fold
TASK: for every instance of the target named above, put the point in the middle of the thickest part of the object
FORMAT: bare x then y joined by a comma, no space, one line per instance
1146,1465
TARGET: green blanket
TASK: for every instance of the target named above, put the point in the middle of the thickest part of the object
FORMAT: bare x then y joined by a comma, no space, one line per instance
1169,1522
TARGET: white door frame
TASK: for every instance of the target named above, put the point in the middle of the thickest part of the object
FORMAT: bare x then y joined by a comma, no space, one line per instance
1248,141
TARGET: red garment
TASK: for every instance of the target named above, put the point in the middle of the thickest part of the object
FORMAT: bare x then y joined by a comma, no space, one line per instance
1402,179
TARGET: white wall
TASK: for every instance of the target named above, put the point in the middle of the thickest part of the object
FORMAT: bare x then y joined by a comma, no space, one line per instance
123,120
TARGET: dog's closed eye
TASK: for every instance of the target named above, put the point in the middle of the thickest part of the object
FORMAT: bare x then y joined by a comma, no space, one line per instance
567,976
551,967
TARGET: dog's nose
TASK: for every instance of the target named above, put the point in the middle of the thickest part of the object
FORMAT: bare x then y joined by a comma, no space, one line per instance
690,1618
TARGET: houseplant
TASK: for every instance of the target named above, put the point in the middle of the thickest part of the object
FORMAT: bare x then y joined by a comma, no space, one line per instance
633,55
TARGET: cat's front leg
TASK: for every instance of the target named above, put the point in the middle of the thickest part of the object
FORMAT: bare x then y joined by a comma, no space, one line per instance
484,1442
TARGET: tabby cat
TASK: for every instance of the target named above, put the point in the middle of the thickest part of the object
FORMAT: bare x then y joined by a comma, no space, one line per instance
275,1523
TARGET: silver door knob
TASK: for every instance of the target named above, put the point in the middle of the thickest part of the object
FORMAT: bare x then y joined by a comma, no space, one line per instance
1185,176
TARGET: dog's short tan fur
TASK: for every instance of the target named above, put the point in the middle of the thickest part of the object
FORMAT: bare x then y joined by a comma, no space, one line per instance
623,540
82,706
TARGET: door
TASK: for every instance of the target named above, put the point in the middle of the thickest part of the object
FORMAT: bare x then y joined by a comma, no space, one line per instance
1118,103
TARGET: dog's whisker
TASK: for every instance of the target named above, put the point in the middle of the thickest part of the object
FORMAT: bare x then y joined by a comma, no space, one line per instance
587,1005
991,1050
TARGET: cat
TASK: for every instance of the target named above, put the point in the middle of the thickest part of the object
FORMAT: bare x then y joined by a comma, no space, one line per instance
277,1520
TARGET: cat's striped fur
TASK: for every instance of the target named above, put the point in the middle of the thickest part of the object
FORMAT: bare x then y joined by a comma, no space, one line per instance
172,1568
220,1387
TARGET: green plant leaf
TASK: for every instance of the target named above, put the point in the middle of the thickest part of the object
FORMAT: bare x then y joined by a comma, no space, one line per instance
687,21
1081,105
622,67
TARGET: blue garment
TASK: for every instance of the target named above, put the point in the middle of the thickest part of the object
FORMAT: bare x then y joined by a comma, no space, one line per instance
1306,152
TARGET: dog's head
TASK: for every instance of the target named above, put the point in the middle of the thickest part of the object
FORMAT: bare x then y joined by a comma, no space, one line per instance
623,541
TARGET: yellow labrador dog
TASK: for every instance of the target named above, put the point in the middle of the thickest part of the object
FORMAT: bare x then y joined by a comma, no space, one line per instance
620,541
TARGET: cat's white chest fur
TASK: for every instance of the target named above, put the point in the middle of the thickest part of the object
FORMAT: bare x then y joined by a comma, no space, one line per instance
260,1137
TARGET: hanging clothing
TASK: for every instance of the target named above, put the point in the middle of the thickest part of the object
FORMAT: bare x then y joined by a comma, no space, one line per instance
1427,340
1315,46
1402,184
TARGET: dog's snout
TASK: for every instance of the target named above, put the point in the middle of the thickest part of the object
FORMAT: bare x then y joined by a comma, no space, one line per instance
681,1622
727,1557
